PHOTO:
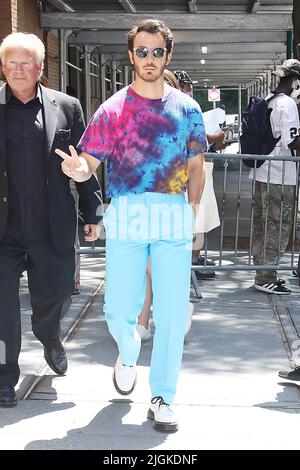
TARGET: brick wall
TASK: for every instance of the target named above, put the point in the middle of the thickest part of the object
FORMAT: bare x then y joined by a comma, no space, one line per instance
29,21
52,53
5,18
24,15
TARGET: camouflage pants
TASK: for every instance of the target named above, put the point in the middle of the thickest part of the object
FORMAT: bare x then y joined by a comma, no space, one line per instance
274,239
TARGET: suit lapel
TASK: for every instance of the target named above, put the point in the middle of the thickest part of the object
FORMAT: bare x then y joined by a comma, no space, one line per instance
50,116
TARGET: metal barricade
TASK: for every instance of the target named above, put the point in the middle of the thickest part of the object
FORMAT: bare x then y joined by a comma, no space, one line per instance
235,195
230,245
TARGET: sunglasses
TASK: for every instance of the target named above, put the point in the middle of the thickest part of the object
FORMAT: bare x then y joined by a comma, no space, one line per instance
157,52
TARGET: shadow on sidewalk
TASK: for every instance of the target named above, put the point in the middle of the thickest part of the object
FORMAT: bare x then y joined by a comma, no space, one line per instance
286,401
26,409
106,431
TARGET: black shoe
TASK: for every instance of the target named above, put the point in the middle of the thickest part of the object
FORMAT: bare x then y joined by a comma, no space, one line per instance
76,290
8,396
272,288
56,358
295,273
205,274
201,262
293,375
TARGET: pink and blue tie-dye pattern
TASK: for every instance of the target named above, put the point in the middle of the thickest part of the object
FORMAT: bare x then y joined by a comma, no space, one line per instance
145,142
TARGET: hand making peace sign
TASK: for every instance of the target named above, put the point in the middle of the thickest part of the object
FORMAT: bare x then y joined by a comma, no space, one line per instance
74,166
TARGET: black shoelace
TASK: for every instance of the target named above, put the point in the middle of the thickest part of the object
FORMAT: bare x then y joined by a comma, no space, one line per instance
159,400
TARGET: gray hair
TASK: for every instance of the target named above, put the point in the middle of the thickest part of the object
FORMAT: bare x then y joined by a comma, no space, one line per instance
26,41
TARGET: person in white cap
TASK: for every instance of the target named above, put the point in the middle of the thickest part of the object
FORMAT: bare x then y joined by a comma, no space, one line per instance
279,194
185,82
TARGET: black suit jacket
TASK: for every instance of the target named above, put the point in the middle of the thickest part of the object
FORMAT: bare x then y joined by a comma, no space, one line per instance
64,125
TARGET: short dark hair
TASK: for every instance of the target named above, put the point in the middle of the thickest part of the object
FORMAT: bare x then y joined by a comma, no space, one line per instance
152,27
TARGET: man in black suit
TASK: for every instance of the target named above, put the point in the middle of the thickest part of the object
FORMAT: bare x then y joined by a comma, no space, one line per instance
37,213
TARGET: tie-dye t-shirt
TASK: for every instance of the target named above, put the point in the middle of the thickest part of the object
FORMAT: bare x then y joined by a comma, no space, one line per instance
145,143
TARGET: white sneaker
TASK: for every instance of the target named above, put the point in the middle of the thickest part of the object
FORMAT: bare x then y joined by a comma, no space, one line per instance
162,415
145,333
124,377
189,318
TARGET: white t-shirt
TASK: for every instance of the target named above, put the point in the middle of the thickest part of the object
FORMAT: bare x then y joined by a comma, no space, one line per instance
285,123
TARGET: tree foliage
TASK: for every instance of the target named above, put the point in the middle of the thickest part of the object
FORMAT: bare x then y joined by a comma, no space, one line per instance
229,100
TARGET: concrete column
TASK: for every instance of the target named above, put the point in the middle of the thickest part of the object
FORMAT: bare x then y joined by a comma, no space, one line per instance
126,75
62,35
263,82
132,73
102,77
87,82
259,87
240,102
266,83
114,76
269,81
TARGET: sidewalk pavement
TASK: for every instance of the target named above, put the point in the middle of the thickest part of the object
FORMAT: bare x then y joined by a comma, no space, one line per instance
229,394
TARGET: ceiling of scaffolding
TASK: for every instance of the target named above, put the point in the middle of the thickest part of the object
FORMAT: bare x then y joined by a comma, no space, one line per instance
218,42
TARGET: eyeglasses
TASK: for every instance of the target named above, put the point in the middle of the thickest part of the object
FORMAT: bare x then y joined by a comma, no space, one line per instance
157,52
24,64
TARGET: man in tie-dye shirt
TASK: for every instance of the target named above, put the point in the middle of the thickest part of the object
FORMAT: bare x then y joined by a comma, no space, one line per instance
152,138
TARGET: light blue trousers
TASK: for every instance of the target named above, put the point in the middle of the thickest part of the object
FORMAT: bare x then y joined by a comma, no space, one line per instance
158,226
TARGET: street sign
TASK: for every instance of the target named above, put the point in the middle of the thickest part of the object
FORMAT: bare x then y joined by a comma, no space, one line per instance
214,94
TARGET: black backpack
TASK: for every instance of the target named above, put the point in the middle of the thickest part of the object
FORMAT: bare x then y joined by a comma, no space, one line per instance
257,137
